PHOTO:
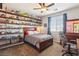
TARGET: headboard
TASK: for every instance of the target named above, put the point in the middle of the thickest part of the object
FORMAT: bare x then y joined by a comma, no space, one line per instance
30,28
26,29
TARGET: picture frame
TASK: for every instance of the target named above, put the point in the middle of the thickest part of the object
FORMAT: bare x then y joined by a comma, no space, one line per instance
45,24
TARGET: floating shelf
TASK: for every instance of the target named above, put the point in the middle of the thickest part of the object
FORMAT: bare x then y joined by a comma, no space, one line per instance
10,33
10,45
10,28
18,20
19,15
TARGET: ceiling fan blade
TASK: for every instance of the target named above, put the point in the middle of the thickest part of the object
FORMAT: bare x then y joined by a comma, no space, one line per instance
41,4
51,4
36,8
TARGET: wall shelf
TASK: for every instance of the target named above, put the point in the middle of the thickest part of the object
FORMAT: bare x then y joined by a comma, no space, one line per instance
19,15
10,28
10,33
10,22
18,20
10,45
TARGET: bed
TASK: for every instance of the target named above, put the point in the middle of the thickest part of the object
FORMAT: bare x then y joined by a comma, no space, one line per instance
39,41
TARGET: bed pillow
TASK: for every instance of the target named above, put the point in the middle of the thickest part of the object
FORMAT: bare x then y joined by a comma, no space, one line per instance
32,32
36,32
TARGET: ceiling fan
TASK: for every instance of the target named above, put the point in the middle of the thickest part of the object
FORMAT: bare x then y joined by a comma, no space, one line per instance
43,7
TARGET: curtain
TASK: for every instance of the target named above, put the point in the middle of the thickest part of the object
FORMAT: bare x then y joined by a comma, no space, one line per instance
64,23
49,19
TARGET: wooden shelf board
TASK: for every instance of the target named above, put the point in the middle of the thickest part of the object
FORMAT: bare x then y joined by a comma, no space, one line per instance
11,33
10,45
19,19
10,28
18,15
4,22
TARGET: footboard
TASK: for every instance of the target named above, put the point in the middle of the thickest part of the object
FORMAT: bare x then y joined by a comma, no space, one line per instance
45,44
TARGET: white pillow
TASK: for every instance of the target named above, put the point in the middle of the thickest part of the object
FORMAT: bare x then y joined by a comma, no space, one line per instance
36,32
30,32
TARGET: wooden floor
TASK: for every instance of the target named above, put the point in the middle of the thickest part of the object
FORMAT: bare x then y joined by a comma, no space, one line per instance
26,50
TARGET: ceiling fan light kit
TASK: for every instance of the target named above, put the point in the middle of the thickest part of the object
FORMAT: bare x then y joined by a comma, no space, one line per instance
43,7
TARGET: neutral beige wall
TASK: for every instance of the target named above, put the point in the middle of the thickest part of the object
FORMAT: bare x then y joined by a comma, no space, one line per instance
45,20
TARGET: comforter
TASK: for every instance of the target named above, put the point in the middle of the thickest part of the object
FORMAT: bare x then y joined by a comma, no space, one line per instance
35,39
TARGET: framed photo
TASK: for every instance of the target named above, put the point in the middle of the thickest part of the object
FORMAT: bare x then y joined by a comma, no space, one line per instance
45,24
76,28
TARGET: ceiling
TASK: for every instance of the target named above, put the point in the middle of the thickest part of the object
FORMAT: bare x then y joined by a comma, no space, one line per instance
28,7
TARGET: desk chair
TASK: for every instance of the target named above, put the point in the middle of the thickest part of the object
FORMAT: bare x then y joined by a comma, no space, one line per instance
77,46
68,46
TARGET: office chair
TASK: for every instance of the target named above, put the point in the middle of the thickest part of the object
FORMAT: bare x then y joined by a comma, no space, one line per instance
77,46
68,46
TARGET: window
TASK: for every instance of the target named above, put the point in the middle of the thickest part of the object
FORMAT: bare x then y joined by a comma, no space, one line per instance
56,24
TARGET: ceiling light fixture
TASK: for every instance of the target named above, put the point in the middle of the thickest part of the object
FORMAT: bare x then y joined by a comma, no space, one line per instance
43,9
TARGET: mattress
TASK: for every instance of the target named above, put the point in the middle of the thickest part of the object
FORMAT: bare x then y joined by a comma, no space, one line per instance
35,39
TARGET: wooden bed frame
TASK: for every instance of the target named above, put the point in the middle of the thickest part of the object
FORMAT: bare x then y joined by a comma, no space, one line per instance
43,45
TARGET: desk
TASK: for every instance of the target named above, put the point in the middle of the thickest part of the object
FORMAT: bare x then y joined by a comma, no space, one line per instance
72,36
77,46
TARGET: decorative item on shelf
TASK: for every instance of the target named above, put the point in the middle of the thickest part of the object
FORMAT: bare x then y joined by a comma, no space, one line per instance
2,21
21,18
17,12
3,38
8,15
26,18
7,21
12,11
11,16
30,20
13,37
6,9
23,13
2,15
14,16
17,17
12,22
28,23
2,32
8,32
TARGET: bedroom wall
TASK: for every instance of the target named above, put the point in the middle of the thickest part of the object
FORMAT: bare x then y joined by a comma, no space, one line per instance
45,20
39,28
72,13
